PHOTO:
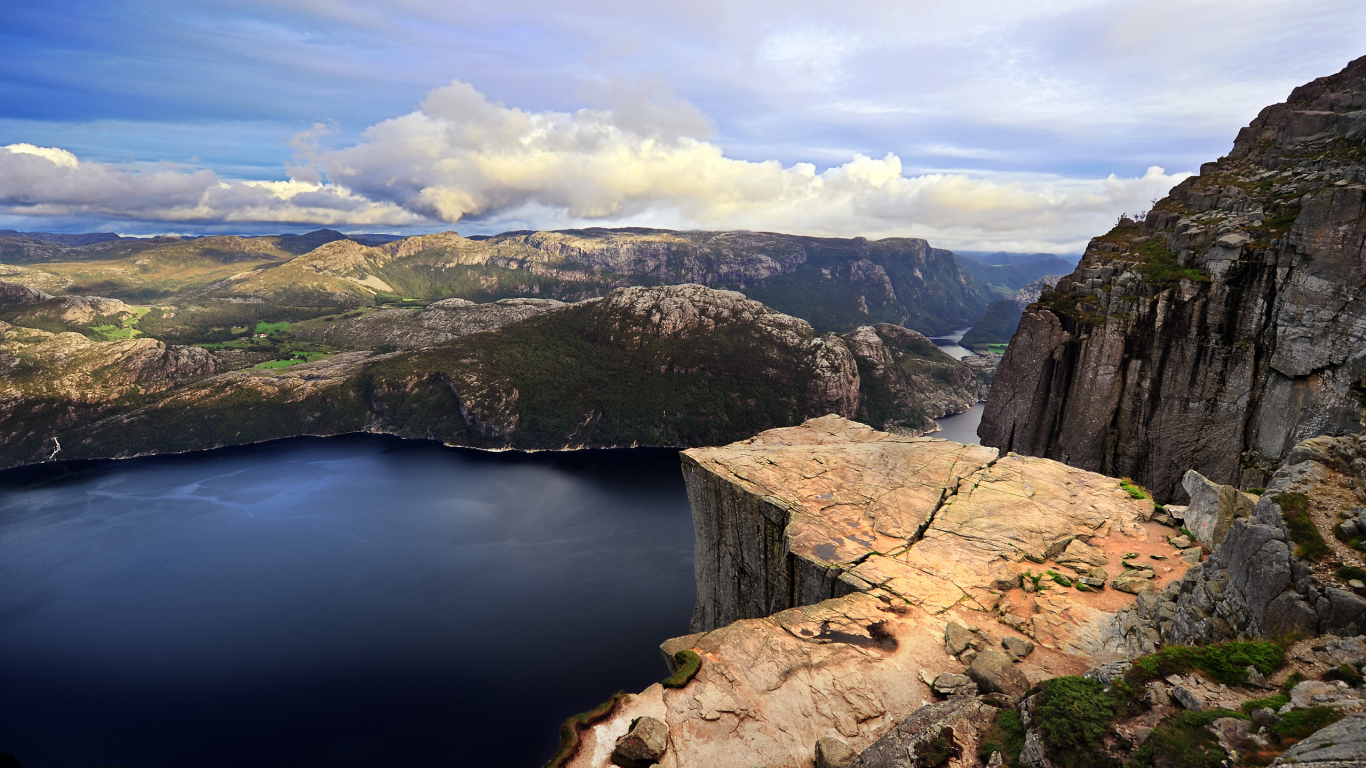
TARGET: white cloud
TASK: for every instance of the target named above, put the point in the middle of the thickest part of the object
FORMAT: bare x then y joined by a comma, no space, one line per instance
462,158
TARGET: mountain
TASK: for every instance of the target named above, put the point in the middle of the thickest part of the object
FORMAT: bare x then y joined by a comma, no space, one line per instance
1014,257
1221,329
835,284
664,366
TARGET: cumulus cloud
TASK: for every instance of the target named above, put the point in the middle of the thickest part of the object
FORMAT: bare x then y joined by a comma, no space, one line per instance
52,182
462,159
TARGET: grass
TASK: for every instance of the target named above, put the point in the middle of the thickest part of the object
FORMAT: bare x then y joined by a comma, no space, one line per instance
269,328
688,665
572,729
1159,265
295,358
1270,702
1346,673
1256,491
1309,543
1348,572
1134,490
1225,662
1007,736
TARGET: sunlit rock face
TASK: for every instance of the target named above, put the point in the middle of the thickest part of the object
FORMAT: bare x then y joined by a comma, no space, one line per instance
831,560
1221,330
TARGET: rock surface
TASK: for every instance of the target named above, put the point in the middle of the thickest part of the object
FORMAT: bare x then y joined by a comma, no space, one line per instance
1340,745
833,562
1219,332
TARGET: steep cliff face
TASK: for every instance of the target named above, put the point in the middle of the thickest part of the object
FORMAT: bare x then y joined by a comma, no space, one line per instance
1221,330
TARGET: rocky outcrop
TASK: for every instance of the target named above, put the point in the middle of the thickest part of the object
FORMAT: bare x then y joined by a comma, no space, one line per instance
1255,584
1219,331
847,577
1340,745
14,294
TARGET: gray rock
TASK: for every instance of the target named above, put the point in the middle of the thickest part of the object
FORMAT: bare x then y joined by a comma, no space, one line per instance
1256,679
951,684
1265,717
1213,508
643,745
995,672
995,761
957,638
968,656
1017,646
1340,745
1177,512
1181,542
898,747
1033,754
1188,698
1349,529
833,753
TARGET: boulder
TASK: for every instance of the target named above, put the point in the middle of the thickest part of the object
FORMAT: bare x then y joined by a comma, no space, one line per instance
956,725
995,672
1082,558
1256,679
1017,647
643,745
1213,507
957,638
952,684
1133,582
833,753
1188,698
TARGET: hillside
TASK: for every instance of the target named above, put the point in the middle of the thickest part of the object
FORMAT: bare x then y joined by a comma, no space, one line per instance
666,366
835,284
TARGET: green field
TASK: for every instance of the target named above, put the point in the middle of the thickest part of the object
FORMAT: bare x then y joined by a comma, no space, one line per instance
270,328
296,358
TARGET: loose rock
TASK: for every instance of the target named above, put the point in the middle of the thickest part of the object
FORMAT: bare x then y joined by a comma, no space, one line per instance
994,672
643,745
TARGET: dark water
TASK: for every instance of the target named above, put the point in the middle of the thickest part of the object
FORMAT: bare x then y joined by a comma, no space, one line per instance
355,601
961,427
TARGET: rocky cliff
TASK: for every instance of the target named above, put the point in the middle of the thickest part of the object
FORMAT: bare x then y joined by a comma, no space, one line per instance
1223,328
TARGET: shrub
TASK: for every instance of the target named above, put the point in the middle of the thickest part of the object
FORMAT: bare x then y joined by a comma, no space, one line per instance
1309,543
1300,723
1348,572
1270,702
1290,682
1225,662
1346,673
1184,742
688,665
1006,736
1074,714
573,727
1256,491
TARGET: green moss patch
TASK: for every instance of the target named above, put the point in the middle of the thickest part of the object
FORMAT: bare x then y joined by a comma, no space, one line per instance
688,665
1301,723
1309,543
1135,491
572,729
1270,702
1225,662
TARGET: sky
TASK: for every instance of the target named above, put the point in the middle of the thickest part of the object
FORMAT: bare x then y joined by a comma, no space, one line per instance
976,125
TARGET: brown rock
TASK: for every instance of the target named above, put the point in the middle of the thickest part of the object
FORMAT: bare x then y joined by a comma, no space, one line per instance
833,753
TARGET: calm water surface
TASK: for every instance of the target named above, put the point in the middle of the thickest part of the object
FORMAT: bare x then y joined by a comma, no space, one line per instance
950,344
961,427
354,601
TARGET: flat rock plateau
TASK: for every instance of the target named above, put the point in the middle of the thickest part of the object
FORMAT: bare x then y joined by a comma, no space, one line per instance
832,559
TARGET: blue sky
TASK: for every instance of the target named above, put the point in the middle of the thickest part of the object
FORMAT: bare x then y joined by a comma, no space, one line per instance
973,124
